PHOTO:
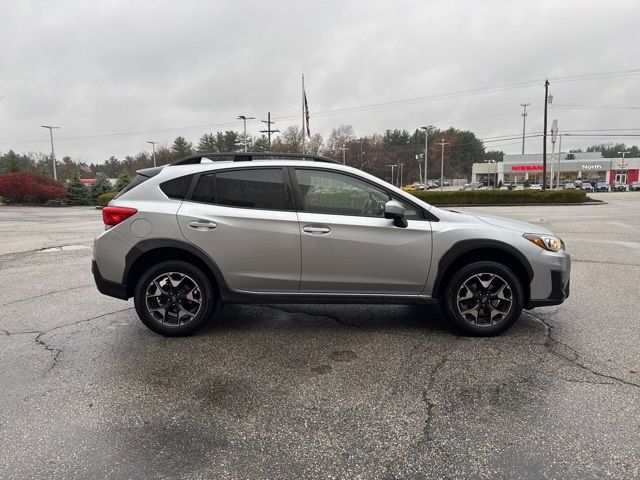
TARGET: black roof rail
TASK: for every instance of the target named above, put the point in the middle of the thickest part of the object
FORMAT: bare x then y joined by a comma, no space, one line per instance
250,156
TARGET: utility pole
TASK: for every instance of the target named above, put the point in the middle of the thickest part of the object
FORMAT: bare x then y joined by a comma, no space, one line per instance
392,179
269,130
544,137
343,148
401,168
153,145
53,154
419,157
244,121
442,144
524,122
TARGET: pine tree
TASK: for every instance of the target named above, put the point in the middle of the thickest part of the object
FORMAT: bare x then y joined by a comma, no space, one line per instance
181,147
100,186
77,193
123,180
12,163
207,143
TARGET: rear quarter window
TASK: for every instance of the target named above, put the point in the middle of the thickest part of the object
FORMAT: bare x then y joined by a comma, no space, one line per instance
176,188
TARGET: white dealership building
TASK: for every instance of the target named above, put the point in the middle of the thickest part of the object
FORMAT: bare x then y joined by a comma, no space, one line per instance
585,166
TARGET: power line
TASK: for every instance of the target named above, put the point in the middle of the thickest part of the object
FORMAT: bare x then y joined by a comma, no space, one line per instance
598,107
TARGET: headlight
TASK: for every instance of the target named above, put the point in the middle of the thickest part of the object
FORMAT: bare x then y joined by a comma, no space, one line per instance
548,242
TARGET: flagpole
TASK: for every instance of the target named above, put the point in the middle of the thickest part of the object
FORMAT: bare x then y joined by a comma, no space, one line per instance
302,131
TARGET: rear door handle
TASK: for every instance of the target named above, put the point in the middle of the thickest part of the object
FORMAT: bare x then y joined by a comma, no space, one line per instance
316,229
202,225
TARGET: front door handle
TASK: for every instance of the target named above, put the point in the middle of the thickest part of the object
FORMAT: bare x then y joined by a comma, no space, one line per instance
202,225
316,229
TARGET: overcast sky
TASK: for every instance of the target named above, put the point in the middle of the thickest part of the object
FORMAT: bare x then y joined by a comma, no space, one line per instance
101,68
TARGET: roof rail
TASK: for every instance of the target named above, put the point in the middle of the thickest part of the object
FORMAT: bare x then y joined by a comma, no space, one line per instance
249,156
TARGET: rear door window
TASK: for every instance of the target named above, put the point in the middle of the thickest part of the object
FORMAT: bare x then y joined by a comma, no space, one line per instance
259,188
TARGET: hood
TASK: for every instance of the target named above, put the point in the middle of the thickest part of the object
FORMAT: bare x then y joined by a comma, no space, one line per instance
516,225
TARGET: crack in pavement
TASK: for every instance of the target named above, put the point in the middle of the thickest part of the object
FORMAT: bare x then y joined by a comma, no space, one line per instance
49,293
57,351
429,402
574,357
430,405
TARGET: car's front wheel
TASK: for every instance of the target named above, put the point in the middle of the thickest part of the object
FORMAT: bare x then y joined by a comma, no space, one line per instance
174,298
483,298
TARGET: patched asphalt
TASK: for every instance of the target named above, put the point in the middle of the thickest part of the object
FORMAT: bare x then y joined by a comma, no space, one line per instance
291,391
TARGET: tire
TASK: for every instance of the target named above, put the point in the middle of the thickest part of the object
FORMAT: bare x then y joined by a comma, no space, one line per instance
483,299
174,298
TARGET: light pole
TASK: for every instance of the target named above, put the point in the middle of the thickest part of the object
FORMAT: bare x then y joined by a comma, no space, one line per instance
419,157
426,144
554,137
401,165
343,148
524,121
53,155
153,145
392,167
544,135
244,121
442,144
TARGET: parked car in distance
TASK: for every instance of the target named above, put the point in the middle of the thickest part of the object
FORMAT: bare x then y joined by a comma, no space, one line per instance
618,187
569,186
634,187
472,186
601,187
409,188
272,228
587,187
518,187
535,186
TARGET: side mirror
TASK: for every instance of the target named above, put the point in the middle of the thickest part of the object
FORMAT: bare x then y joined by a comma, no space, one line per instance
393,210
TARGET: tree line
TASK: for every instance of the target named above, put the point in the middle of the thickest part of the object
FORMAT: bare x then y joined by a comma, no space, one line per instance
372,153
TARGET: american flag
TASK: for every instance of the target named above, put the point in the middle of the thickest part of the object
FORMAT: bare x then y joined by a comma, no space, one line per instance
306,114
85,168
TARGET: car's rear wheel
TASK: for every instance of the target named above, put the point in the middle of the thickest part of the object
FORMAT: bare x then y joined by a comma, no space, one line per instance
483,298
174,298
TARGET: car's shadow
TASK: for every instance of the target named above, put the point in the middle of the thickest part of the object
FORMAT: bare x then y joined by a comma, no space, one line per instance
409,318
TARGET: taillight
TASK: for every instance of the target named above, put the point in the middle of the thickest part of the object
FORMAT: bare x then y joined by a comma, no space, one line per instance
112,216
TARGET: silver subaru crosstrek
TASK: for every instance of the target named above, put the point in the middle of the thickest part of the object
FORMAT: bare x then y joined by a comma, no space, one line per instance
290,228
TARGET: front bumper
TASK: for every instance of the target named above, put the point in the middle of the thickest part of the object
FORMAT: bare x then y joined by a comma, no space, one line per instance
559,292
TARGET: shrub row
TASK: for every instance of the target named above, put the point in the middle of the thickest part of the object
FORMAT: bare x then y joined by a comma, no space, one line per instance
501,197
21,187
105,198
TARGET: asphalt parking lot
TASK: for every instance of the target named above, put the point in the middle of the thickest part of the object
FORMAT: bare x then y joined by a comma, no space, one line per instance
86,391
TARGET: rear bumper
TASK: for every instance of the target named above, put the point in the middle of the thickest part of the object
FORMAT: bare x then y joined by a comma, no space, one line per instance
107,287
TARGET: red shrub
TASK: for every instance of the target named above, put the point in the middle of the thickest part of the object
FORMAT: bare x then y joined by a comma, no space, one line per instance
22,187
